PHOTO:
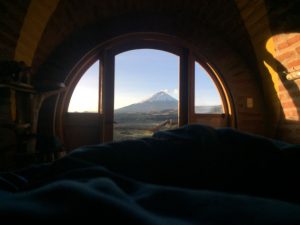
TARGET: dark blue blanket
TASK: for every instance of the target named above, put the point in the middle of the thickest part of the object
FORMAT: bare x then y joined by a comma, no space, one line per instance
192,175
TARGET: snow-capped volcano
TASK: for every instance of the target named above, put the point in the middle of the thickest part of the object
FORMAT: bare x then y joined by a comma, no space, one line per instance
161,97
158,102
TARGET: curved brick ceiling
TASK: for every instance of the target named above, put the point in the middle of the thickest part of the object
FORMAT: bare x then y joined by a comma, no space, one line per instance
53,21
221,16
12,15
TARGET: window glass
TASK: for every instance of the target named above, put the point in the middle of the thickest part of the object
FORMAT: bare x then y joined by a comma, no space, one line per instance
207,96
85,97
146,93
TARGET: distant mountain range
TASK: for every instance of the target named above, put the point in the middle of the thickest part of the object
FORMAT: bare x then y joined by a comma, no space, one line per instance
161,101
158,102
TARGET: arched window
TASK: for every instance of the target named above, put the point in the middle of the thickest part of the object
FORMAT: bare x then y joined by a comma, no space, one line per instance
146,93
85,97
207,96
129,74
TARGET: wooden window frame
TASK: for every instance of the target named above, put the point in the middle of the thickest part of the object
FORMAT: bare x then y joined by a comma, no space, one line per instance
106,53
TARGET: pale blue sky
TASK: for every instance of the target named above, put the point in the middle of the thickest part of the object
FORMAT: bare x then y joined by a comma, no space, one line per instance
142,73
85,95
138,75
206,93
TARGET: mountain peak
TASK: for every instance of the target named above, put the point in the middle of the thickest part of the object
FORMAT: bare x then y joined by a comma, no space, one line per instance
156,103
161,97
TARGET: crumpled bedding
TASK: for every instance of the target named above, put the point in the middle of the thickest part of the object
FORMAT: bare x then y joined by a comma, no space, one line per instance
190,175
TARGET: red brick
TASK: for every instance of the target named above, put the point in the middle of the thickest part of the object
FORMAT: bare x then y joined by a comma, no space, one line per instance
286,43
294,63
293,40
285,56
283,45
287,86
285,98
282,96
276,38
291,114
288,105
289,99
281,88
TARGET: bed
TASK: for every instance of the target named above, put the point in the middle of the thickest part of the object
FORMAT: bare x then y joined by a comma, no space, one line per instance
191,175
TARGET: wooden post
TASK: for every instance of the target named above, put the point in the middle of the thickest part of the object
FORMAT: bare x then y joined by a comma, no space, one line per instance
107,95
184,90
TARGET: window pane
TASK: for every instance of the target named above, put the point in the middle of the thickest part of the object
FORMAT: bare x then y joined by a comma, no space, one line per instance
85,97
146,93
207,96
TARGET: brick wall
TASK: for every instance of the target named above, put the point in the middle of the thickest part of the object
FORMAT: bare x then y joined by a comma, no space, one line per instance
271,26
287,53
